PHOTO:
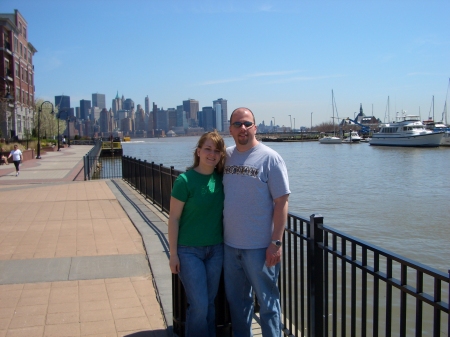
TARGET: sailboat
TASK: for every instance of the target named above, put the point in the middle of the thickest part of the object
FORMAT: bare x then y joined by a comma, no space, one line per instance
331,139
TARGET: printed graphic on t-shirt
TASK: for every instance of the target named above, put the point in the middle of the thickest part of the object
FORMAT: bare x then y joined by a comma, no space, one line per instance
242,170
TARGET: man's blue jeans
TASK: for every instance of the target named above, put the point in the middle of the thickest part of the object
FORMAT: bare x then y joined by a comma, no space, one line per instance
245,270
200,270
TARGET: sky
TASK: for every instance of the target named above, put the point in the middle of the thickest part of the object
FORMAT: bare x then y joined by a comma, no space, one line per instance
282,59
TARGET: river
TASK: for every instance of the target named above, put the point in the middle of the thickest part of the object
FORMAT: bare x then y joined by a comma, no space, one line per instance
396,198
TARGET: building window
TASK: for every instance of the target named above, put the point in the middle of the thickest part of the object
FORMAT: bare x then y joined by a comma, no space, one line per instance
23,96
19,123
29,56
17,95
17,70
24,32
21,49
16,45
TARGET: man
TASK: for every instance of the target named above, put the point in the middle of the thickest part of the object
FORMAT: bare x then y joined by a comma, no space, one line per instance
255,211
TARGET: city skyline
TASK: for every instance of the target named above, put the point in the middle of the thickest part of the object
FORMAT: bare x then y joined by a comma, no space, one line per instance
279,58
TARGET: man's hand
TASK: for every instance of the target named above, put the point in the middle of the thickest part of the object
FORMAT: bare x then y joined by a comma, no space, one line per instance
273,255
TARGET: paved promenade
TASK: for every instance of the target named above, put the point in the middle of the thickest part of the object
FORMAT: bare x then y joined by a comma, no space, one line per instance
75,256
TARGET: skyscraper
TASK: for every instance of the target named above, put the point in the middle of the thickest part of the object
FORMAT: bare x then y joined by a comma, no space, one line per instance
223,106
147,105
191,107
85,107
99,100
63,104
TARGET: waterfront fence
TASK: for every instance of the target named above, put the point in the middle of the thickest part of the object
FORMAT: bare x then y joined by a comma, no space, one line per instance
99,166
333,284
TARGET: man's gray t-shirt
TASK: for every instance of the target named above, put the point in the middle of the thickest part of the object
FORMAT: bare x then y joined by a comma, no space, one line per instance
252,180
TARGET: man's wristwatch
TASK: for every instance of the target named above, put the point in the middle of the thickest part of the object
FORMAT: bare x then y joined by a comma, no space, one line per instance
277,243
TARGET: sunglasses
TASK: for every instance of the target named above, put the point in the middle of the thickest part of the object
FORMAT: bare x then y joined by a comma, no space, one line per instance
246,124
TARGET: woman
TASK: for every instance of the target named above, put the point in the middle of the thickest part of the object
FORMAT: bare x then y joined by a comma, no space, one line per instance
196,233
17,158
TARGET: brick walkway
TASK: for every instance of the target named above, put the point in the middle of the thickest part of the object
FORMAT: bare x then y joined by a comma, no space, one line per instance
71,261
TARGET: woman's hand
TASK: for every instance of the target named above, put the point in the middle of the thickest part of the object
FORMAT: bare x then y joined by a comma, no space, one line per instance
174,264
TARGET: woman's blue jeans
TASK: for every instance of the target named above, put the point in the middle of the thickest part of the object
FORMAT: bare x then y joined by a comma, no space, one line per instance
200,270
245,272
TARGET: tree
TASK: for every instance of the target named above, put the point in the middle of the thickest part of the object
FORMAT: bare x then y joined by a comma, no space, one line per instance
49,121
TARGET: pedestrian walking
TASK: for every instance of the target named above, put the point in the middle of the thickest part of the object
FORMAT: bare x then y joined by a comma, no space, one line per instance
3,157
17,156
196,233
255,213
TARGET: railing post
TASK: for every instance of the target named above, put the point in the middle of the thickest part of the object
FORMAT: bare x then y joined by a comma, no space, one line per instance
161,187
144,191
153,183
315,276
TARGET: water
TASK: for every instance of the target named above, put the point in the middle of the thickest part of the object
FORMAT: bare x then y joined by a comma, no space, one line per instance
395,198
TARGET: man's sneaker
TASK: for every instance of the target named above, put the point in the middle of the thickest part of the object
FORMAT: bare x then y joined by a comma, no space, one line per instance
17,174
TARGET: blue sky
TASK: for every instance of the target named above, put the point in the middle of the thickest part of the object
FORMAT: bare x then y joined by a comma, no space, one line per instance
278,58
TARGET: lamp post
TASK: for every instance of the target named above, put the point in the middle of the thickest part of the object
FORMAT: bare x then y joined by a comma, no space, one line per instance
68,129
58,136
290,118
294,123
39,128
311,121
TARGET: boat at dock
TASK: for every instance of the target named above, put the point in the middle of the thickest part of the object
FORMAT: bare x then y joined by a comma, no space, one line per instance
353,138
407,130
331,139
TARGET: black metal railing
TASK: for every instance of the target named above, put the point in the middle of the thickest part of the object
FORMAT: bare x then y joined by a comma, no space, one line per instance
100,166
153,181
333,284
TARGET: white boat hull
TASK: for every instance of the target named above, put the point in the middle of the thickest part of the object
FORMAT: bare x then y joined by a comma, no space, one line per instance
330,140
421,140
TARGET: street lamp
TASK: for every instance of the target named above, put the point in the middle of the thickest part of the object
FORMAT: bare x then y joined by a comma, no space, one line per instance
39,128
290,118
58,136
68,129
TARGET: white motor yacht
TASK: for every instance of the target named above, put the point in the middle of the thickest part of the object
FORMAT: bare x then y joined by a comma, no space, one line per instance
352,138
408,130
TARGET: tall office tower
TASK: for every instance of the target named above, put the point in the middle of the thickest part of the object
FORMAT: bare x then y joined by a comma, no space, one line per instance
105,121
181,117
147,105
126,126
191,107
62,103
218,116
85,106
223,104
139,121
162,120
208,118
77,112
172,118
128,104
95,114
99,100
17,77
117,104
153,115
